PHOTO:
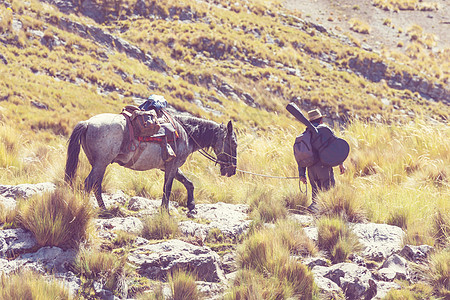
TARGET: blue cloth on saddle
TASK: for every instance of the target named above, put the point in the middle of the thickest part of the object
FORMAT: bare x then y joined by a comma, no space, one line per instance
155,102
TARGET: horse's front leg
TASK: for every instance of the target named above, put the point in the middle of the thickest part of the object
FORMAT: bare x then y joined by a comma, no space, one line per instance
167,189
189,188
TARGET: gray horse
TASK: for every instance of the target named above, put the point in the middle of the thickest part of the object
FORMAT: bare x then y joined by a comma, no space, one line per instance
106,139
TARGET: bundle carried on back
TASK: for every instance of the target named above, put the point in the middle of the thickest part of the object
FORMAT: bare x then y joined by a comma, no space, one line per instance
331,150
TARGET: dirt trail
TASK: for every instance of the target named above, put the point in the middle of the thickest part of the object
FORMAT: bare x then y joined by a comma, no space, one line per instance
335,15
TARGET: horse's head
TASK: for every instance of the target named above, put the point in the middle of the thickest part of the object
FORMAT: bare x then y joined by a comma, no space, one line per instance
225,149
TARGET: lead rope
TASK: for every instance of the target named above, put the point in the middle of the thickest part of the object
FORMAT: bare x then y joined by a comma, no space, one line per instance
215,160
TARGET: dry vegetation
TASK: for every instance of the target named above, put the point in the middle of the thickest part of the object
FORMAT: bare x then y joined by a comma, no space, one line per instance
398,168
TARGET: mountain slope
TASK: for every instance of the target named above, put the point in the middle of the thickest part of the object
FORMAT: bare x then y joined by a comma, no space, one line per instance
244,60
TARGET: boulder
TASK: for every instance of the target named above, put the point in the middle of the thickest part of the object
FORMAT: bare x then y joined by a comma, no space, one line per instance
49,259
384,287
118,197
14,241
26,190
395,267
45,260
156,260
7,202
380,240
312,233
230,219
357,282
417,254
128,224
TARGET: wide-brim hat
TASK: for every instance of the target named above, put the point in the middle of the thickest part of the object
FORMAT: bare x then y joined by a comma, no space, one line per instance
314,115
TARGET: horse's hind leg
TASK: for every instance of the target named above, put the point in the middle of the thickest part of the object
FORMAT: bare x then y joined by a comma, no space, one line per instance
94,182
189,188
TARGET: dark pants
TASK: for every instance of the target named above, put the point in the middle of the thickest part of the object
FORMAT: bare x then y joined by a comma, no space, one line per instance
321,178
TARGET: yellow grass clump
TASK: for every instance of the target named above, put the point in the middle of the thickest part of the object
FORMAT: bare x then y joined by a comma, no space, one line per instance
29,285
60,218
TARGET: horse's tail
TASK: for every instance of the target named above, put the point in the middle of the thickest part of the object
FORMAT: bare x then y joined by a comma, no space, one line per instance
73,151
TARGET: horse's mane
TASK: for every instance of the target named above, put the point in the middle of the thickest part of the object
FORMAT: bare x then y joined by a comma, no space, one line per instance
204,131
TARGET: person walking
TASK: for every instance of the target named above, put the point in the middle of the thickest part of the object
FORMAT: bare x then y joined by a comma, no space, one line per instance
321,177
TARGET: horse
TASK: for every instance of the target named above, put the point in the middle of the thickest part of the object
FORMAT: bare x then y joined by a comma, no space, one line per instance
106,139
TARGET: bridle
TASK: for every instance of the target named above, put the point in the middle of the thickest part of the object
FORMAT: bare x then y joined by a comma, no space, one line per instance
222,152
209,156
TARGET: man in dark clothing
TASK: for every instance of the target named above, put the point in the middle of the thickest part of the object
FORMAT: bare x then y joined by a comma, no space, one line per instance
321,177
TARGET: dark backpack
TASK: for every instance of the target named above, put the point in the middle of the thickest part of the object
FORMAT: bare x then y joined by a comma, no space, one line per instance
303,151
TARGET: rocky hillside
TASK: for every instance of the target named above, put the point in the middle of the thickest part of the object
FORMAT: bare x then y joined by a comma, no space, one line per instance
62,61
369,275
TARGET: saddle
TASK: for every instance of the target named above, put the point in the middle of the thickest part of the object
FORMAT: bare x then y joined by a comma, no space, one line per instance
152,126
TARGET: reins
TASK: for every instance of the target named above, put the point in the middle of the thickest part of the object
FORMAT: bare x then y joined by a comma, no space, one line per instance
215,160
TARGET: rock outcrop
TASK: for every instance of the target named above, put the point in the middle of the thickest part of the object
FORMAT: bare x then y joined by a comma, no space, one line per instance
355,279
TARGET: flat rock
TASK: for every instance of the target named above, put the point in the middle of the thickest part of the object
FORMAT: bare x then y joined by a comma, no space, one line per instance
155,260
15,241
231,219
128,224
380,240
26,190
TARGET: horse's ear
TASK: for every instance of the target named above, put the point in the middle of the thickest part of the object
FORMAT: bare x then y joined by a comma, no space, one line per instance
230,127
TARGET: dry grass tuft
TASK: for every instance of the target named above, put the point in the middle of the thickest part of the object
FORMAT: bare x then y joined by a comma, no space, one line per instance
438,274
95,266
267,252
335,237
341,201
359,26
160,226
441,228
60,218
183,286
29,285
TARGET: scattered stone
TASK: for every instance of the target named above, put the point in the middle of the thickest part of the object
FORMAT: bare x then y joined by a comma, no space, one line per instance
395,267
305,220
128,224
380,240
8,203
3,59
39,105
417,254
26,190
312,262
15,241
230,219
154,261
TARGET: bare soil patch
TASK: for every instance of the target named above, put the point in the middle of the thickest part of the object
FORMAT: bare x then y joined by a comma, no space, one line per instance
335,16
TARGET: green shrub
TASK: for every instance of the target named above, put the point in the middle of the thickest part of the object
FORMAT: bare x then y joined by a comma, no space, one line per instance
60,218
160,226
28,285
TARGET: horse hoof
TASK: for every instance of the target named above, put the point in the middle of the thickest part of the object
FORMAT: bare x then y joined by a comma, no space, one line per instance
191,213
